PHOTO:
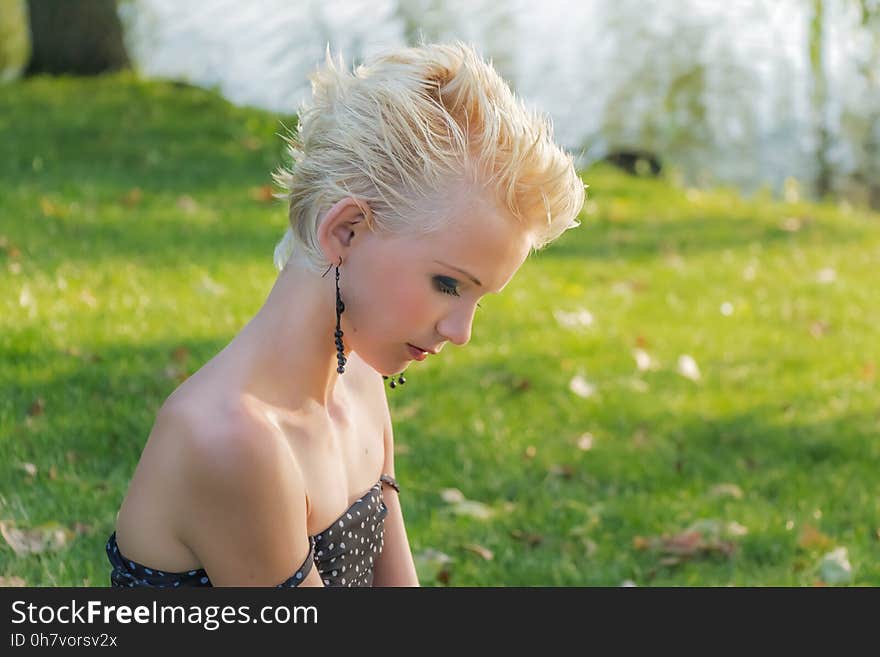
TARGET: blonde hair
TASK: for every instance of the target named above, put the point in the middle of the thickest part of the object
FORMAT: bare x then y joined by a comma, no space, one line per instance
404,127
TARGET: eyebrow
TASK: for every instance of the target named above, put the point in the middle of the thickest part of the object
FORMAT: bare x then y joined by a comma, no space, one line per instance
473,278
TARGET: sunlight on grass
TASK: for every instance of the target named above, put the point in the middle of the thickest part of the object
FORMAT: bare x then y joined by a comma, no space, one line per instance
720,353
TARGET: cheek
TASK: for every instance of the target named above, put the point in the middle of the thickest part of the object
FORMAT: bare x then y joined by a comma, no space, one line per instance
412,303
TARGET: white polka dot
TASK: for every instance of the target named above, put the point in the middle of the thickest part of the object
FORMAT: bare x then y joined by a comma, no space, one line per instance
340,523
327,582
342,546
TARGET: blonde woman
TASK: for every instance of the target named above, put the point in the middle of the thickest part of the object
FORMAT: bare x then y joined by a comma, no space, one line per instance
425,183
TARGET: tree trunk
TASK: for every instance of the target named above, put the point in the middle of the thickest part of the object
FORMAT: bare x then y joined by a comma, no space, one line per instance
81,37
822,183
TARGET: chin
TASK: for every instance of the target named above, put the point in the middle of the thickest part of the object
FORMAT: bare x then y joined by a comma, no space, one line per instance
383,367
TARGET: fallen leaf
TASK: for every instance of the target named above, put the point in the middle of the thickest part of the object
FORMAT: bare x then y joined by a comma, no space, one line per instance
564,471
581,387
585,442
180,354
132,197
688,368
703,538
812,539
452,495
581,318
209,286
11,581
262,193
88,298
522,384
530,452
25,298
188,204
791,224
53,472
826,276
644,361
430,563
818,329
640,437
251,143
727,490
835,568
479,550
473,509
81,528
49,536
531,539
48,208
37,408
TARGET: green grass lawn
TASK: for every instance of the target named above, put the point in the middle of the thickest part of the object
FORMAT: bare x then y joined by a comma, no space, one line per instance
682,391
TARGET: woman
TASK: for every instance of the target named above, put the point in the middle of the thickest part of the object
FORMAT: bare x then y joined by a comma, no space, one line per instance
425,183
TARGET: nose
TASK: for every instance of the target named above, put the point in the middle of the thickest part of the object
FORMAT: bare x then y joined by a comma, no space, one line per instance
456,326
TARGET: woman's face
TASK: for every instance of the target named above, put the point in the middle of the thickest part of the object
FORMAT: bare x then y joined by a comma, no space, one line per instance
424,290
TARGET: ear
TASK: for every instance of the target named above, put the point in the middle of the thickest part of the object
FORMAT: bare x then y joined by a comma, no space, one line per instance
347,218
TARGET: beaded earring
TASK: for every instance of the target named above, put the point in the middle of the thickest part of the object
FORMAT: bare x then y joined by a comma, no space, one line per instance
340,308
340,349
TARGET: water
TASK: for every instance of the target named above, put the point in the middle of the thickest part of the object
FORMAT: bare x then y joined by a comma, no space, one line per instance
720,89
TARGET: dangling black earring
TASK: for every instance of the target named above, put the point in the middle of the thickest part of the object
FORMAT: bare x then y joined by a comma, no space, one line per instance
400,380
340,308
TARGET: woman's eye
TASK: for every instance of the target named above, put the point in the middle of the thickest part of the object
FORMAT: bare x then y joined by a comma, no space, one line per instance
447,288
450,289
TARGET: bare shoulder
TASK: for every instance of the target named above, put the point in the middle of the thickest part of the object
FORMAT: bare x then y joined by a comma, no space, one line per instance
243,511
224,439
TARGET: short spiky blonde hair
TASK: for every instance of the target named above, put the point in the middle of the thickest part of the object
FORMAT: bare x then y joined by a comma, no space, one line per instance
403,128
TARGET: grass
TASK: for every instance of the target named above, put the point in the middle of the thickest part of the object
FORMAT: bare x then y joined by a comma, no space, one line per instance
136,239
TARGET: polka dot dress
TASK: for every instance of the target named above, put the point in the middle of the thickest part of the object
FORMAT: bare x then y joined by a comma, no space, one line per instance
344,553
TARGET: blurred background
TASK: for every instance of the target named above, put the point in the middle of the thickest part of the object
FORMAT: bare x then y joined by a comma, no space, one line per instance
692,398
748,93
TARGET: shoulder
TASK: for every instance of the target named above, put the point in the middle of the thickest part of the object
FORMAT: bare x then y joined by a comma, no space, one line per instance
223,443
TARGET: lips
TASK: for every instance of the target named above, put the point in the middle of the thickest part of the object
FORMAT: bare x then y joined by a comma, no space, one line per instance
419,348
416,353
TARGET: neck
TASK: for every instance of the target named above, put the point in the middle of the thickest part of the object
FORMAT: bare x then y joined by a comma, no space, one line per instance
286,355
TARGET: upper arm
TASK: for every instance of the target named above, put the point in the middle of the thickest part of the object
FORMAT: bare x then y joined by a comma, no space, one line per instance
245,507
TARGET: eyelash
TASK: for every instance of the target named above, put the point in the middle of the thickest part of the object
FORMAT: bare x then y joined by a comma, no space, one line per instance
445,289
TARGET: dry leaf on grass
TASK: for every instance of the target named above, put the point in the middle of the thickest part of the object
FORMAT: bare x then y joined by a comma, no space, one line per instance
812,539
11,581
702,539
480,550
727,490
49,536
